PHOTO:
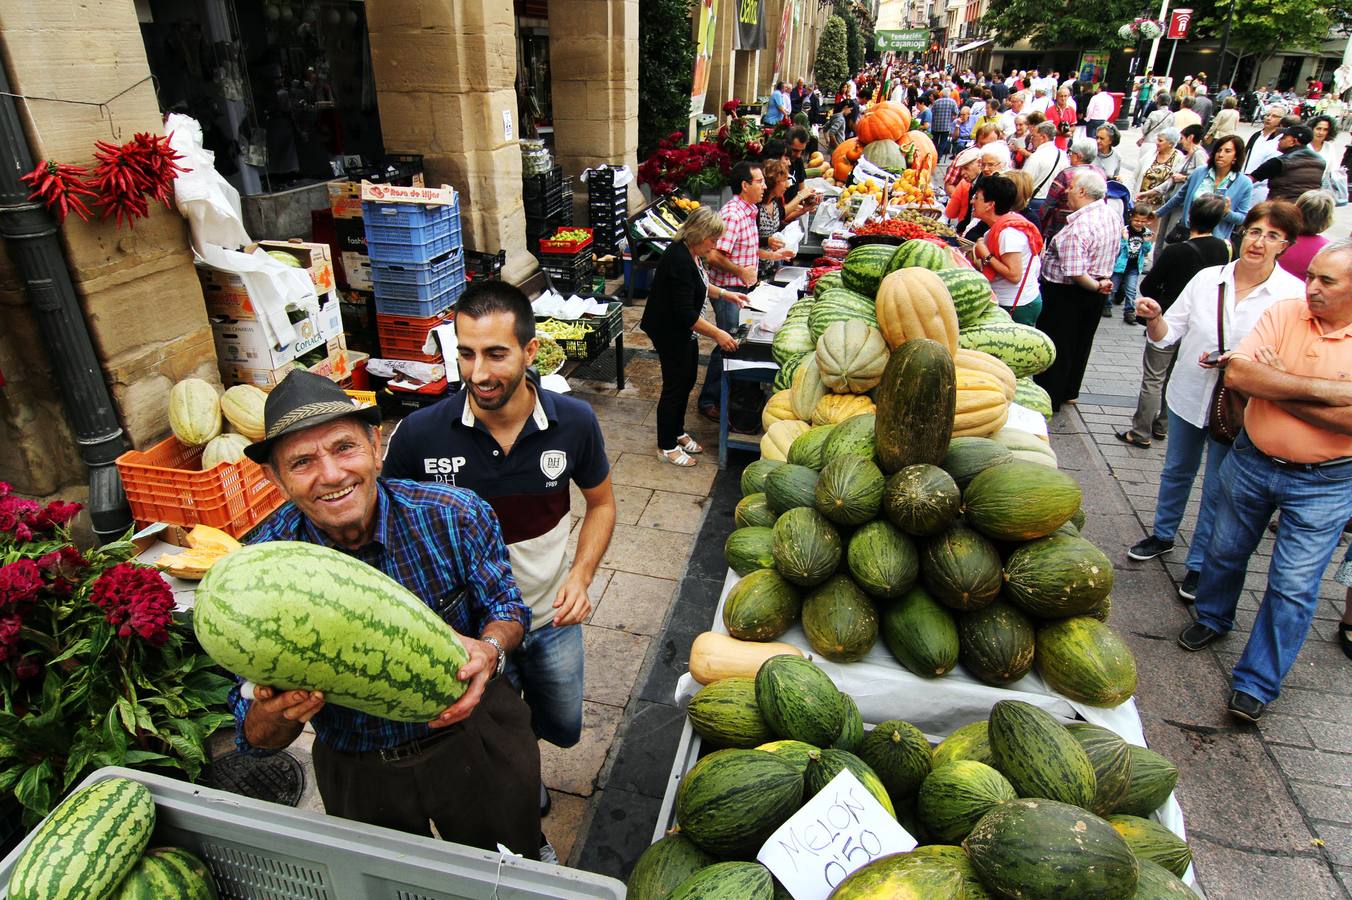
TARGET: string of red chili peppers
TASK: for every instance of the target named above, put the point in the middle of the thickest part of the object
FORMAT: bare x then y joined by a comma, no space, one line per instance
123,182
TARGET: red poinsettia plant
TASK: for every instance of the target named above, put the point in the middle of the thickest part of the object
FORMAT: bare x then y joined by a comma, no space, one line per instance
694,167
94,668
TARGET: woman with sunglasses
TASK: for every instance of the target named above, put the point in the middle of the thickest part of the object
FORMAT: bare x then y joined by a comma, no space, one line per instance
1247,286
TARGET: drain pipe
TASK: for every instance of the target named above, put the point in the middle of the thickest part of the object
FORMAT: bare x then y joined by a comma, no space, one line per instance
30,233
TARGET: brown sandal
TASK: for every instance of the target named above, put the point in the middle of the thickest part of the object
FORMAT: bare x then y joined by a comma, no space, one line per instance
1127,437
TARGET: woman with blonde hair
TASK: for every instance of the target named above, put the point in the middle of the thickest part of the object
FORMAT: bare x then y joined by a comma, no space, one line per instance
671,320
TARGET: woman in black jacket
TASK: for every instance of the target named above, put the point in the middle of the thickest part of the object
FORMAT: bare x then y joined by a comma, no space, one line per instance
671,319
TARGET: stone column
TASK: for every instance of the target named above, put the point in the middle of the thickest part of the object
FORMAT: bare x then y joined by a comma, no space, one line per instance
746,80
593,64
137,286
445,73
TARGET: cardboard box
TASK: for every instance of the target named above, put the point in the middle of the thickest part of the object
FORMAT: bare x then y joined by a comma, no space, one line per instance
242,341
350,235
357,271
226,294
337,365
315,258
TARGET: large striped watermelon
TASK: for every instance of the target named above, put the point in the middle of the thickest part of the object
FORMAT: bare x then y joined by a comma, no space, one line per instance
971,293
167,872
865,266
839,305
922,254
791,340
293,615
1023,348
87,844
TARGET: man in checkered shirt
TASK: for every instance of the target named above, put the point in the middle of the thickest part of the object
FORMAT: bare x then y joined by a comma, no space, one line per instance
942,114
1077,269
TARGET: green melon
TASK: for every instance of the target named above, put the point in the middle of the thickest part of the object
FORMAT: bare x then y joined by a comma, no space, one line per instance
753,511
1058,576
761,606
1158,883
839,305
1020,501
852,732
1038,756
961,568
664,866
1085,660
731,801
165,872
790,486
799,700
791,751
806,548
971,741
725,714
853,437
1030,395
748,549
806,449
793,340
921,500
1023,348
849,491
957,857
839,620
1152,781
1152,841
955,797
788,365
921,634
826,282
886,155
1111,758
728,880
903,876
882,560
916,401
865,267
825,765
996,643
899,753
968,457
753,476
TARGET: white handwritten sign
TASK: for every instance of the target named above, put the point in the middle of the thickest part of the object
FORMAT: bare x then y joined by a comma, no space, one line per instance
841,829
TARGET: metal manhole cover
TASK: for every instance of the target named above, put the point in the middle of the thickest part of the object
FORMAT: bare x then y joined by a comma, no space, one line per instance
279,778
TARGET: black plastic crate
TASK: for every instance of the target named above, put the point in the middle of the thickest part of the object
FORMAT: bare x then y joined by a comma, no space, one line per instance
393,168
570,269
601,178
604,331
485,266
535,186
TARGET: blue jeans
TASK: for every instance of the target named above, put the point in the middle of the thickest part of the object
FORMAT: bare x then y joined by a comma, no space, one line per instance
1126,283
1181,461
1314,507
726,315
547,671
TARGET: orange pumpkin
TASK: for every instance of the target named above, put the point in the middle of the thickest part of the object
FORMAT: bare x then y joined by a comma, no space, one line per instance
844,157
924,148
884,121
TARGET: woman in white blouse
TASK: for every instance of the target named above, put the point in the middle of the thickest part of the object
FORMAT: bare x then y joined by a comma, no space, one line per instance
1248,286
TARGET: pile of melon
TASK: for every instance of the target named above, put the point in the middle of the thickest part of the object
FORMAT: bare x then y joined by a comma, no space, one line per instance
197,415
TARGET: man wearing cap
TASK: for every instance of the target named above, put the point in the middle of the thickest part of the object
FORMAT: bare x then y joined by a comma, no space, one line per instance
1296,170
474,769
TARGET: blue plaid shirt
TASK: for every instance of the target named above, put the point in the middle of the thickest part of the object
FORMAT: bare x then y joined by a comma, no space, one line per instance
942,114
443,544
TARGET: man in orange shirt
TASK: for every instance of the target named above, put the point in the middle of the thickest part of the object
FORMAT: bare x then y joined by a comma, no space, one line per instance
1294,455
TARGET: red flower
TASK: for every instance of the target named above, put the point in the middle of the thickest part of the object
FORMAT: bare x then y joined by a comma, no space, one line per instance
9,635
730,108
27,668
19,583
63,567
136,599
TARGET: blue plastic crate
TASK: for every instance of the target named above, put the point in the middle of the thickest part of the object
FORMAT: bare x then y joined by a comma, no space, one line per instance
387,273
444,282
409,233
411,251
417,302
407,215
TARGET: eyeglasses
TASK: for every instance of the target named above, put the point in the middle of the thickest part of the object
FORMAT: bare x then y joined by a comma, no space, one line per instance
1258,235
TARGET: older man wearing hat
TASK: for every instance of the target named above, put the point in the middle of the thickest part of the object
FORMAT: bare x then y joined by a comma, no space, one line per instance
474,769
1296,169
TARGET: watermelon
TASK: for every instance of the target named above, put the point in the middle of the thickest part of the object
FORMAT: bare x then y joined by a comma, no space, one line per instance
993,315
865,267
726,715
971,741
1042,848
955,797
922,254
961,568
805,547
1084,659
87,844
295,615
1152,781
903,876
853,437
761,606
898,752
731,801
882,560
921,634
921,500
839,620
1023,348
824,765
849,491
1152,841
753,476
791,340
852,732
748,549
790,486
996,643
840,305
791,751
754,512
1020,501
167,872
827,282
799,701
968,457
1030,395
1158,883
1038,755
806,449
788,366
1111,758
664,866
916,400
971,293
1058,576
743,880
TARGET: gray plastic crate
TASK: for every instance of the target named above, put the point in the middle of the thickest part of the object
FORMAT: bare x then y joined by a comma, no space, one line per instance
262,851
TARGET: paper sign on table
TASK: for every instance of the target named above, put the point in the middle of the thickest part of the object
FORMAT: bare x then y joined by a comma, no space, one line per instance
841,829
867,207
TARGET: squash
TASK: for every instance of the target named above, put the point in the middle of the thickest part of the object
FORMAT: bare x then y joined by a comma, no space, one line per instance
925,156
984,363
806,388
778,438
914,303
850,357
194,412
242,406
884,122
715,656
844,157
223,448
982,408
886,155
777,409
836,408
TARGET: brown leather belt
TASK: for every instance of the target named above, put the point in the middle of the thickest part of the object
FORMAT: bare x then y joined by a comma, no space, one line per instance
405,751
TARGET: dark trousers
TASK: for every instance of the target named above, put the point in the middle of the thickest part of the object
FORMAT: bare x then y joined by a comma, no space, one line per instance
680,370
479,782
1070,316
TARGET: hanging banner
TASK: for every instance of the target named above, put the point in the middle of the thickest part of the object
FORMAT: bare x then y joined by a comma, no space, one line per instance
750,33
704,51
783,38
903,40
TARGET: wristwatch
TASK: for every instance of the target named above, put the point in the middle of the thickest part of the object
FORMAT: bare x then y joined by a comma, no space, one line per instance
502,656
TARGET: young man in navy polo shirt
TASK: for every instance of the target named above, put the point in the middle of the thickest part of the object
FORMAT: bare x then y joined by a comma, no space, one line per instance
518,446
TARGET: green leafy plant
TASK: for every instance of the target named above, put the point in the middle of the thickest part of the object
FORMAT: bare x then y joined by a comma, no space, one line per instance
665,77
94,669
1049,25
831,65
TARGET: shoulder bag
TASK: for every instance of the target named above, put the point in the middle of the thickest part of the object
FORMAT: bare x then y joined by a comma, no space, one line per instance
1225,416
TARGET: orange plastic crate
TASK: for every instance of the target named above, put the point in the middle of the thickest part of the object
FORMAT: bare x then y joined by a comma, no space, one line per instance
402,337
164,484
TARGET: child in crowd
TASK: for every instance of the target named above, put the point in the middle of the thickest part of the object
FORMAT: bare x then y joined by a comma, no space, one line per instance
1137,240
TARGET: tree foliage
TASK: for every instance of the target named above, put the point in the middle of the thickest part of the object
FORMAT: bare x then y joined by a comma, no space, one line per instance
831,66
1047,25
665,78
1263,27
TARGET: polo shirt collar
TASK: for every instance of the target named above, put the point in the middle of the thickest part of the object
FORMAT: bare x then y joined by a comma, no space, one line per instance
380,535
1345,331
545,412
